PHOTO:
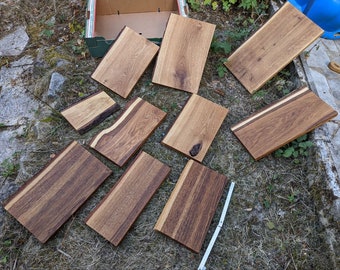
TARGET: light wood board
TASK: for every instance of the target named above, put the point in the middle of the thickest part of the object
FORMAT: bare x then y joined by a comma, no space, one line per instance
272,47
282,122
196,127
187,214
47,200
183,53
125,62
116,213
91,111
120,141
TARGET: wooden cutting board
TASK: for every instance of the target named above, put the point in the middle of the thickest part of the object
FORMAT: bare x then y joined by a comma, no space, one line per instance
183,53
187,214
125,62
47,200
120,141
116,213
272,47
196,127
282,122
91,111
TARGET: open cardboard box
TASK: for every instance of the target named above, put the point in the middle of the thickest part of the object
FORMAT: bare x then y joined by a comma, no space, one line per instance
106,18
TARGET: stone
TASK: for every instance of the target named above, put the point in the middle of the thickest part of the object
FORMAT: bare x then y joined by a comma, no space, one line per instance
17,104
14,43
56,84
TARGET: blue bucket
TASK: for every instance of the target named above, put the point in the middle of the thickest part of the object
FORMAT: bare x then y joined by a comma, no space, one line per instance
325,13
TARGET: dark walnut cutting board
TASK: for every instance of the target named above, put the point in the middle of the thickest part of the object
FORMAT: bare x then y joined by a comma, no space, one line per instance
47,200
116,213
187,214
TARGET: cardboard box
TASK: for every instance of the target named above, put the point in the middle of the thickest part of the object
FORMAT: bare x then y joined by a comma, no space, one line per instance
106,18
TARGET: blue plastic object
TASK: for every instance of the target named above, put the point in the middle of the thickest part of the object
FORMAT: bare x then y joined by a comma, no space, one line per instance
325,13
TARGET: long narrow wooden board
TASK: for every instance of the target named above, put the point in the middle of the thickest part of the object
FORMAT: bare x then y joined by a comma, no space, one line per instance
183,53
89,112
282,122
116,213
187,214
196,127
283,37
120,141
125,62
48,199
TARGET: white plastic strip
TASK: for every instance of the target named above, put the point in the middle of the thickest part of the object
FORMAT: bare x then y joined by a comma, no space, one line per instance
90,18
183,8
218,228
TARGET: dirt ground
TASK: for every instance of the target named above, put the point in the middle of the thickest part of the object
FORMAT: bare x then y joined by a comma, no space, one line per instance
273,221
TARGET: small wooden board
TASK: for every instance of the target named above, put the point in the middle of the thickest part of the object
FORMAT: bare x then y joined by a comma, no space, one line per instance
195,128
183,53
47,200
187,215
91,111
125,62
282,122
272,47
116,213
120,141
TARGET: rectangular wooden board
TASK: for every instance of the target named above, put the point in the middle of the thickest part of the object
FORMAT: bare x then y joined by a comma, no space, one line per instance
120,141
47,200
196,127
183,53
283,37
91,111
125,62
116,213
282,122
187,214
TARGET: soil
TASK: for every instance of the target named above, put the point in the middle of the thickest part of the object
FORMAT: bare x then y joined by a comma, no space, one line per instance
273,221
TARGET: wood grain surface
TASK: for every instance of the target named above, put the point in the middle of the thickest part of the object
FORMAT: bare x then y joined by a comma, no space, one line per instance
120,141
125,62
196,127
272,47
187,214
183,53
282,122
47,200
116,213
89,112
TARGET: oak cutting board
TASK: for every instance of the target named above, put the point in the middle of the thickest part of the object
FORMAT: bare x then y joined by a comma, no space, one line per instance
187,214
282,122
125,62
116,213
183,53
120,141
283,37
47,200
196,127
91,111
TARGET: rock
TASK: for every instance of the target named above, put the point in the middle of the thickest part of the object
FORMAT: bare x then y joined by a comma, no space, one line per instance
14,43
15,102
56,84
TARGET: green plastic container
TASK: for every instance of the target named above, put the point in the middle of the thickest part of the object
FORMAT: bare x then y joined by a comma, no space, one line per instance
105,20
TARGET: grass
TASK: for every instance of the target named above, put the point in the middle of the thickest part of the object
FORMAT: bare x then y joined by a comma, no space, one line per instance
272,221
